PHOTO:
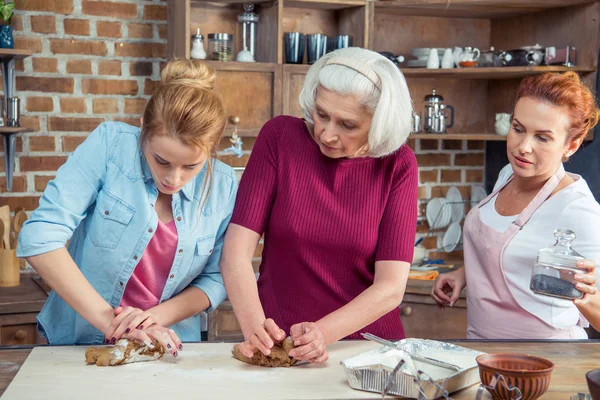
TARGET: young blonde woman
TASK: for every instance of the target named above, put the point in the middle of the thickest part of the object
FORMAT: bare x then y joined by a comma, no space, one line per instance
145,211
532,198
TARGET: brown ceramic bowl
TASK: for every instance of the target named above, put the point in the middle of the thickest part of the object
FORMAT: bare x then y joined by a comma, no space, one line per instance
530,374
593,381
467,64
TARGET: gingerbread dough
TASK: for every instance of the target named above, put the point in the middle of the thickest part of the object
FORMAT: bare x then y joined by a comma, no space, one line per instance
278,358
125,351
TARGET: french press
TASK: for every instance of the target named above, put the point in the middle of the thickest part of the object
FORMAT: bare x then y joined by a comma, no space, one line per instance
435,121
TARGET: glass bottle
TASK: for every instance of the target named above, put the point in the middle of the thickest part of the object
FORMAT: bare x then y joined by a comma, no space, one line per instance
197,51
555,268
249,21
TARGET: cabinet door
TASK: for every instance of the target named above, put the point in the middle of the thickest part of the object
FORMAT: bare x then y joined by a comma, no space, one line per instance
12,335
293,79
223,325
251,93
427,321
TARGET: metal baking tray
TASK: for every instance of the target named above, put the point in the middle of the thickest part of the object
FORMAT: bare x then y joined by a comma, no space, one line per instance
370,370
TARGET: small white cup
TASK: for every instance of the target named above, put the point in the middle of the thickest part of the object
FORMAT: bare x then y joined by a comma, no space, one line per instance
433,61
448,59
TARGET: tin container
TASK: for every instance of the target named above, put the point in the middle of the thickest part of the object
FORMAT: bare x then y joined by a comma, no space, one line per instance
369,371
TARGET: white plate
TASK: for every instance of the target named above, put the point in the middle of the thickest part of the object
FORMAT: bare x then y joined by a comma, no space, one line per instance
416,63
456,204
435,212
424,51
477,194
452,237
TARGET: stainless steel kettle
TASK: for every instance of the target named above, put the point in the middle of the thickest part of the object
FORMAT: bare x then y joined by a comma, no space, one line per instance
434,119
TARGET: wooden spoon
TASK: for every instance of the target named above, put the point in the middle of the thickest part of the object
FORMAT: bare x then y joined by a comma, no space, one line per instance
2,246
18,221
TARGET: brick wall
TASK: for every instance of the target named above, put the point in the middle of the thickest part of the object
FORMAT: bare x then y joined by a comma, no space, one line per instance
94,61
97,61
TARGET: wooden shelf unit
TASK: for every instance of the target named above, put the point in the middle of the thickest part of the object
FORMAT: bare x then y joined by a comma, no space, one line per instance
272,87
458,136
473,8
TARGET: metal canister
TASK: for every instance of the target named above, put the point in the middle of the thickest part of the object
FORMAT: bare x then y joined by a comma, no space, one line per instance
415,123
13,111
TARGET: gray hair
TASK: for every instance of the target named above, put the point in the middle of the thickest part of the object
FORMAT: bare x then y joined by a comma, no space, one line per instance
391,106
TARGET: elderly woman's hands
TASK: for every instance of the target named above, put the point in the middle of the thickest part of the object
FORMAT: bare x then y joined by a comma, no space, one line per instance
310,343
262,337
586,282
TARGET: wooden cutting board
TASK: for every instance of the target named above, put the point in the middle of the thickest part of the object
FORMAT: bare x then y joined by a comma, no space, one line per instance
202,371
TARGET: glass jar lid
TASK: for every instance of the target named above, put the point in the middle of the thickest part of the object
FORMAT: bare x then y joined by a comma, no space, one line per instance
561,254
220,36
248,15
433,97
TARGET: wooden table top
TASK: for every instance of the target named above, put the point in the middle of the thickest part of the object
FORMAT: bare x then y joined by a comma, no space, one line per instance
572,359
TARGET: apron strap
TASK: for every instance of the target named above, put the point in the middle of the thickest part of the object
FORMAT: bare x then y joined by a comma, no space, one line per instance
542,196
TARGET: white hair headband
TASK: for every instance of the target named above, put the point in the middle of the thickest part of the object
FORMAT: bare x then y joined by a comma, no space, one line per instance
364,71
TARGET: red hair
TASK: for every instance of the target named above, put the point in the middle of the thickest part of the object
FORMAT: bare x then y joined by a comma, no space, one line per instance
564,90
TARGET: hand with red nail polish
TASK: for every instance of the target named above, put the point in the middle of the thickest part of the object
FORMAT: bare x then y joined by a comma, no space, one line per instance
166,336
128,319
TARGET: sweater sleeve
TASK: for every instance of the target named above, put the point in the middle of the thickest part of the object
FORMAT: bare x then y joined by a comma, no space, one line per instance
399,222
258,186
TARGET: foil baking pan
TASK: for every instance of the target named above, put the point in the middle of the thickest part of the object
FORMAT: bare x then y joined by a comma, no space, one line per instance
370,370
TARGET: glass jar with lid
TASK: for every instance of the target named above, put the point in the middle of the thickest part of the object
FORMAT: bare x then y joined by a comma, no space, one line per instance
555,268
220,46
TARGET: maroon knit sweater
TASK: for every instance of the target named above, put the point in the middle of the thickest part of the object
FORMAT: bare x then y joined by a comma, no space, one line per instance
325,223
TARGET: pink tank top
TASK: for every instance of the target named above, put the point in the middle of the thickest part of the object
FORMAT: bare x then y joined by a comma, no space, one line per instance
147,283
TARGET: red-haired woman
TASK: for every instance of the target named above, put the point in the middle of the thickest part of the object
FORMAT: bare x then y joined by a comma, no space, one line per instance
532,198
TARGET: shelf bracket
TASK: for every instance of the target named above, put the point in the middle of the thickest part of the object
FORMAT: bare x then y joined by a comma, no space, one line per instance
8,79
9,158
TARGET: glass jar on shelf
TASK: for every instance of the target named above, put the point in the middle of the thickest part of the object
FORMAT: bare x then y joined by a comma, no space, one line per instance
555,268
220,46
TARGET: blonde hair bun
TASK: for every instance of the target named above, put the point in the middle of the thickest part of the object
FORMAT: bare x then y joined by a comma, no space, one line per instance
188,73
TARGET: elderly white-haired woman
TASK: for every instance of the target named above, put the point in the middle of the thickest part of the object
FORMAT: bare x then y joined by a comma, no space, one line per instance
335,195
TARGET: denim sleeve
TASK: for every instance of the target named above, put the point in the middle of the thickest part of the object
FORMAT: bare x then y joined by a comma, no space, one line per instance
67,198
210,280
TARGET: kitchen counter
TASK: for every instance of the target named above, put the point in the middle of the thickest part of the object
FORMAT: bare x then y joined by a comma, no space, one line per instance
65,372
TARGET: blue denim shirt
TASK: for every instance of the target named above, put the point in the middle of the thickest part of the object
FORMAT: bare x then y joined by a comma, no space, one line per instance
102,200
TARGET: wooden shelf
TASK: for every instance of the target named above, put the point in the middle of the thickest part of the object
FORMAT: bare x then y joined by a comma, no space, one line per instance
226,3
242,66
458,136
325,4
469,73
472,8
489,73
14,53
9,130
